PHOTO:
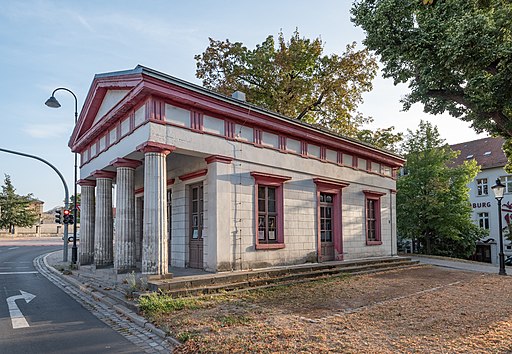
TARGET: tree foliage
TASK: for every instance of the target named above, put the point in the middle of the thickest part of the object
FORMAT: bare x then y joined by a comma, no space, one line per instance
433,197
15,209
455,55
293,78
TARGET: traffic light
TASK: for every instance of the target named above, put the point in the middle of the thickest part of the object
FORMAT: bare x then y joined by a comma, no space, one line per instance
58,216
67,214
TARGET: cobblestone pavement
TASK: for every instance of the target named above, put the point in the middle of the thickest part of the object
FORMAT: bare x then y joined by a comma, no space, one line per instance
114,315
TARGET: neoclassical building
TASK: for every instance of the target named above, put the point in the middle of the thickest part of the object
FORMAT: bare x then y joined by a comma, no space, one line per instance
206,181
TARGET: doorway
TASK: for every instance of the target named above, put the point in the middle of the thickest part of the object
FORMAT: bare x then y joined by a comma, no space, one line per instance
326,227
196,226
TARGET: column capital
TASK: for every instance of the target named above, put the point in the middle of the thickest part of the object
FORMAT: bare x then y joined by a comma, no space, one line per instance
86,182
150,146
120,162
103,174
218,158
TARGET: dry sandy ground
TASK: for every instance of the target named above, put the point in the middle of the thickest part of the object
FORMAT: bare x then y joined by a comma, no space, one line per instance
416,310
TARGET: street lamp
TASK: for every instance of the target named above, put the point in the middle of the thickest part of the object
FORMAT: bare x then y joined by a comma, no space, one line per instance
53,103
499,190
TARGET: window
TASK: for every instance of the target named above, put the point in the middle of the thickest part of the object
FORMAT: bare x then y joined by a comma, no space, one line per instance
483,220
481,186
269,210
267,214
326,214
507,181
373,217
196,227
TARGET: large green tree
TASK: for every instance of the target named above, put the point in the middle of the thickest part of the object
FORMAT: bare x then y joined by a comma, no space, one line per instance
455,55
294,78
433,197
15,209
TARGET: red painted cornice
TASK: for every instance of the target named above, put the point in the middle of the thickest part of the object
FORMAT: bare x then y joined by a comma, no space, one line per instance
373,193
330,184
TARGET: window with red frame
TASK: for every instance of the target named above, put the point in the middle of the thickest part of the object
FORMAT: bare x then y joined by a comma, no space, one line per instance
267,214
269,210
373,218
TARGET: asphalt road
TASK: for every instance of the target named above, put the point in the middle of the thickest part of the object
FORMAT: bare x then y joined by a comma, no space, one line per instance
55,323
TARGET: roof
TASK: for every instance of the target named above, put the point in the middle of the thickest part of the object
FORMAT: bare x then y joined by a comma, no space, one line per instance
143,81
487,152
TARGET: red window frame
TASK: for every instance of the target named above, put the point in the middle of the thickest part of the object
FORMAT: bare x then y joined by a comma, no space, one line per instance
375,199
269,180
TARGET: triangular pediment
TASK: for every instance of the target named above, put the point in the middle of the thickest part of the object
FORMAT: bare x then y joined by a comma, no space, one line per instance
112,97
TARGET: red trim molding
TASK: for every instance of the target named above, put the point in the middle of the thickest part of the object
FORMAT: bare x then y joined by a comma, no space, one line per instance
218,158
103,174
139,190
329,185
86,182
193,175
151,146
170,182
120,162
373,193
269,179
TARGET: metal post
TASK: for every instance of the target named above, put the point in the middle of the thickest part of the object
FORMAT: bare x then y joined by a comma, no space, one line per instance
52,102
66,194
501,254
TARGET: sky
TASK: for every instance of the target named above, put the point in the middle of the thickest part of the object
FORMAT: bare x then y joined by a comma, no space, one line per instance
45,44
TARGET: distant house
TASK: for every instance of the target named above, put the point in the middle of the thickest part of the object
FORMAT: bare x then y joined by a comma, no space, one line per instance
489,155
207,181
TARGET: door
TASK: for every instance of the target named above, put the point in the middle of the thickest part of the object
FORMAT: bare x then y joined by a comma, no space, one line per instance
169,225
196,227
326,227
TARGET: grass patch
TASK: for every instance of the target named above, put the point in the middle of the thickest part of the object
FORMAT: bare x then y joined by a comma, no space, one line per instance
232,320
158,304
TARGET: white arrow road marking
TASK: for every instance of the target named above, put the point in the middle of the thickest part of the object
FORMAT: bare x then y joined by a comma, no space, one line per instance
17,318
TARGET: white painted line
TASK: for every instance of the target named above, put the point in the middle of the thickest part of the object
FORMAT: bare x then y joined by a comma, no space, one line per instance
10,273
12,248
17,318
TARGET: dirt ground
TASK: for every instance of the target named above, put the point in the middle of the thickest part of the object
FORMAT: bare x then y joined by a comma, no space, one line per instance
417,310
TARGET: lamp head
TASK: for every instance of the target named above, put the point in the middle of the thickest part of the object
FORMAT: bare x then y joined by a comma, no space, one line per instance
498,189
52,102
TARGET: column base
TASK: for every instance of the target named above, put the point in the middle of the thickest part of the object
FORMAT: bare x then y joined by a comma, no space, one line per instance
159,276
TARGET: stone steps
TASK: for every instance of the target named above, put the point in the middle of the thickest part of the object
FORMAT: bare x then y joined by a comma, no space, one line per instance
240,280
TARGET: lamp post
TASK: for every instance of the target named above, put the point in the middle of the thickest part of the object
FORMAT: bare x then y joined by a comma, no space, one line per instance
53,103
499,190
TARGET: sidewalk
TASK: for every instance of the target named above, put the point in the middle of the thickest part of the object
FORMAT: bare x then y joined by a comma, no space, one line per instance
456,264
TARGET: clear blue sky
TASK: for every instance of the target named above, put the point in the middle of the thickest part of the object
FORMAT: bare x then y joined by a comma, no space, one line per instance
47,44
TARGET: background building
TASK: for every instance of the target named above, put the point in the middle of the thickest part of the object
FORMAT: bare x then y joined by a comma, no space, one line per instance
489,155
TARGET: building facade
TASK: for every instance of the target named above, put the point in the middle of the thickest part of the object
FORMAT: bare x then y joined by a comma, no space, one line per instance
489,155
206,181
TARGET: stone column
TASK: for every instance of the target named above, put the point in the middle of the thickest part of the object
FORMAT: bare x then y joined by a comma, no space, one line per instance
154,244
124,257
87,217
103,230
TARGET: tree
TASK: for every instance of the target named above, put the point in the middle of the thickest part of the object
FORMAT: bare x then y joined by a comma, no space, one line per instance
293,78
433,197
15,209
455,55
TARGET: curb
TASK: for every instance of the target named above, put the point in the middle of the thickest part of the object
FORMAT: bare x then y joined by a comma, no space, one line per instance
98,295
